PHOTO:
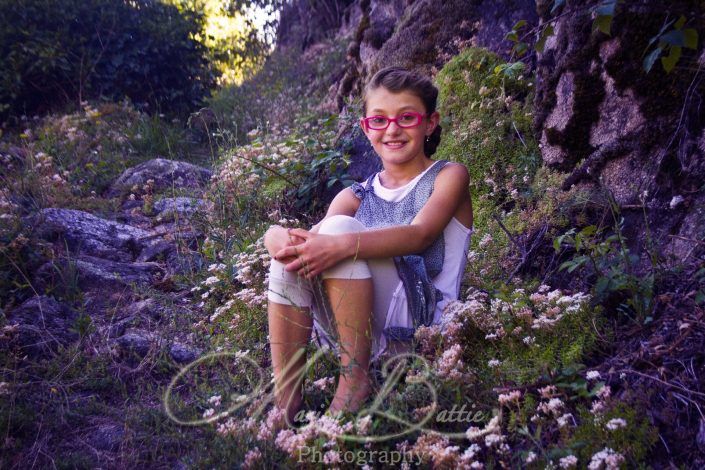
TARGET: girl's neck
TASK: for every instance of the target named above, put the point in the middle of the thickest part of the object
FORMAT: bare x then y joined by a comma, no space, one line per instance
397,175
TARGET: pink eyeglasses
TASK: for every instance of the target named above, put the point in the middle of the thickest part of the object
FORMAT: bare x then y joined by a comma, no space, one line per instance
406,120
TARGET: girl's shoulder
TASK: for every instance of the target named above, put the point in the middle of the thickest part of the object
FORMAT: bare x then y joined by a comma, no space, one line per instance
455,172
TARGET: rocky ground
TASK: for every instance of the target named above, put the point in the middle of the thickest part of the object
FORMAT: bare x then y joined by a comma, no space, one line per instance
127,276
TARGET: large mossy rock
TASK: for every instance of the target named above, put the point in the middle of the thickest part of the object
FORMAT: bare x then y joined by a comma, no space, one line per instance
621,133
487,126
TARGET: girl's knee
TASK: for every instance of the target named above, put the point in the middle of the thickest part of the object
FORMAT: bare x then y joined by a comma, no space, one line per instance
340,224
286,287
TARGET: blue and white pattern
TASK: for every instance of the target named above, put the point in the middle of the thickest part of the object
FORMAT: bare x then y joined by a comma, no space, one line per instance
417,270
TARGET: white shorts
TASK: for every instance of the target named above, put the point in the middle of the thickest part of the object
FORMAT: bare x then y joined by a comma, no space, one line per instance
389,307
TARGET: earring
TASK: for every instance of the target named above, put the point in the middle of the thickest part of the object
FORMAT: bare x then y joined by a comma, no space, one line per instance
428,138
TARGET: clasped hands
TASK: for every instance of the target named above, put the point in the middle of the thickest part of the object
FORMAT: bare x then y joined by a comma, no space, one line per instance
308,253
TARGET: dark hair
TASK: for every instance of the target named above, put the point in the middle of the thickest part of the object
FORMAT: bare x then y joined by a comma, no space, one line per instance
397,80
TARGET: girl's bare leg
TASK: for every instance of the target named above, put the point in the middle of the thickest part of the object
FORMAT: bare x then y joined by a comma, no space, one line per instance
351,301
289,332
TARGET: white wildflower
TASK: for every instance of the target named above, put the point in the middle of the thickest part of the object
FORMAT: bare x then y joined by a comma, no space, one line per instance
568,462
616,423
593,375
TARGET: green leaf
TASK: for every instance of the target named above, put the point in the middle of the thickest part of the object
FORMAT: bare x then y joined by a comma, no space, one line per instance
589,231
671,60
556,5
520,48
512,36
545,34
601,285
700,297
651,59
603,23
519,24
691,38
680,23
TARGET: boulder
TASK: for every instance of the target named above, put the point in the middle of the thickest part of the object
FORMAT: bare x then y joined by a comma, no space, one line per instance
144,308
99,273
182,353
135,342
165,173
91,235
44,325
172,208
106,437
184,263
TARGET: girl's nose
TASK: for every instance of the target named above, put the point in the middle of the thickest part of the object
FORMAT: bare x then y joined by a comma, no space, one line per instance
393,128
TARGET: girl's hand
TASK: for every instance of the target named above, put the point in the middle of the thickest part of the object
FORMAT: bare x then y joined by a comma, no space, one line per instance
316,254
278,238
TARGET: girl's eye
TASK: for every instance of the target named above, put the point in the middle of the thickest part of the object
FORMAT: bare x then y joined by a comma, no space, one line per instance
407,118
378,120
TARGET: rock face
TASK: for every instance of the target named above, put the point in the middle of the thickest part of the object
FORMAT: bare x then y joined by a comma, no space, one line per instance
614,128
423,35
165,173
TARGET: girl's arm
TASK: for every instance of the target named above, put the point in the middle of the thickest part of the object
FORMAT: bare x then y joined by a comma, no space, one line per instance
319,252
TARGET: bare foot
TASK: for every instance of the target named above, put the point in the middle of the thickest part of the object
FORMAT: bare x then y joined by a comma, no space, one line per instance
291,406
350,394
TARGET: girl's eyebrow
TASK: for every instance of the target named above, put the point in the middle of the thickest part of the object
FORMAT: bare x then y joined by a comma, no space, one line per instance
403,108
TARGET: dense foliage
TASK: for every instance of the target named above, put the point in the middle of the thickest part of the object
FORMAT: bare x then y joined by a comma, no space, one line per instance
53,52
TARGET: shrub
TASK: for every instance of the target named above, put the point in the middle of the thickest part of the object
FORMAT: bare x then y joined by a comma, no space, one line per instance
53,52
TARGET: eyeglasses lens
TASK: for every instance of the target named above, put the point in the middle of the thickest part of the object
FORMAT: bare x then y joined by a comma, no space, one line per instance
406,120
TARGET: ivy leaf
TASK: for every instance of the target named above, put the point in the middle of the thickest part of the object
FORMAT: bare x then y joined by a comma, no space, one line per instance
512,36
541,43
603,23
671,60
520,24
510,70
556,5
651,59
691,38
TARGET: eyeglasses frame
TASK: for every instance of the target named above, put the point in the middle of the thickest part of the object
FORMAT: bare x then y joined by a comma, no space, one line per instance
420,117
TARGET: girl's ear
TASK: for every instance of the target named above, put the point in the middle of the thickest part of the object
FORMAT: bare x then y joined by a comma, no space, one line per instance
363,126
433,119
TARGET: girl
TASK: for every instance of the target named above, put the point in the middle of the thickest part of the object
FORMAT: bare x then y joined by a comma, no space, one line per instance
388,255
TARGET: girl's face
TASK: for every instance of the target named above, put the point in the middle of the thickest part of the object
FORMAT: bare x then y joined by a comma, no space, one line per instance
397,145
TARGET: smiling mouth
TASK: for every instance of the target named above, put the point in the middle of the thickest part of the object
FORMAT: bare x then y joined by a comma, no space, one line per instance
395,144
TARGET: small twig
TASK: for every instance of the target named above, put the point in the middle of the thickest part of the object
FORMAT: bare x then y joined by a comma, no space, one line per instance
511,237
699,242
519,134
664,443
641,374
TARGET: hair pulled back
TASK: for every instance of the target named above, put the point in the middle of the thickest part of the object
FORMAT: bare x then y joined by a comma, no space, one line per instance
397,80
